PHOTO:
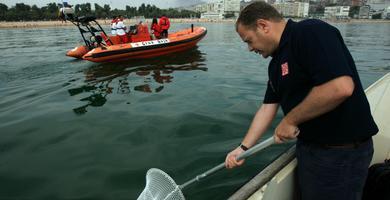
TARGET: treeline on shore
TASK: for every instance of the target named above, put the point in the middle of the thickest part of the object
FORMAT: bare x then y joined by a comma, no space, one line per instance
24,12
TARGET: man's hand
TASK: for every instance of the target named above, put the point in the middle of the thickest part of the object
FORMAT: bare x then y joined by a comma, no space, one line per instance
231,162
285,131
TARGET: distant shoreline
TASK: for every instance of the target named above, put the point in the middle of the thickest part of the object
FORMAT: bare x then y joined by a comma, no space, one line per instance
36,24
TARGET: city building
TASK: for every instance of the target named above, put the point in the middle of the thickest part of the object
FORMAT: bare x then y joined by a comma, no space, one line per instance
357,3
378,4
364,12
293,9
214,10
338,12
219,9
244,3
211,15
232,6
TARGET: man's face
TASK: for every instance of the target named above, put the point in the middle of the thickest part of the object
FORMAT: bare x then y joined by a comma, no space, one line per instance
258,39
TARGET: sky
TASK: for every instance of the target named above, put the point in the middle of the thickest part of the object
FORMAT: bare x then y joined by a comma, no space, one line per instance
120,4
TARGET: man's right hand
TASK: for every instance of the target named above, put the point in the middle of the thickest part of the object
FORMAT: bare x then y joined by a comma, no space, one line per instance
231,158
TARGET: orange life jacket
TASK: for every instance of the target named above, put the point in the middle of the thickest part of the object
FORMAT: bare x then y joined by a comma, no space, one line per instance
164,23
156,30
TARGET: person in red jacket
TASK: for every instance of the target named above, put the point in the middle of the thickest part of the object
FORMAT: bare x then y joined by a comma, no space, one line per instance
164,24
155,29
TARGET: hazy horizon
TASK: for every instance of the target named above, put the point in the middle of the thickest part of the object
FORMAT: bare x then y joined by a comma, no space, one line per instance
119,4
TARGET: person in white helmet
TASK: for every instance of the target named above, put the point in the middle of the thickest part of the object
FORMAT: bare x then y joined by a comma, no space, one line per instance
113,25
121,30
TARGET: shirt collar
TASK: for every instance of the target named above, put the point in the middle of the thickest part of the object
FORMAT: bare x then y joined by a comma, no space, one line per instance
285,36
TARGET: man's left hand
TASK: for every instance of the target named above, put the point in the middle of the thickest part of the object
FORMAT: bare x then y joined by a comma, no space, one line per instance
285,131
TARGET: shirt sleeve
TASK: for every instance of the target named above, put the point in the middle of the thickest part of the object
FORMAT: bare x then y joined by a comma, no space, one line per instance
270,95
323,53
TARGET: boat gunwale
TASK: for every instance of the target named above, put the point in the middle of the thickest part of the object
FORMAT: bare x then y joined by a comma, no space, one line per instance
265,175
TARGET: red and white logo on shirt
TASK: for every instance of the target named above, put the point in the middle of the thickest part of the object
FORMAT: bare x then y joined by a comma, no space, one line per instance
284,69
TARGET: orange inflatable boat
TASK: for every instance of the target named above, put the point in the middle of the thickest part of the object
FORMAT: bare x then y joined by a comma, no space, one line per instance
103,48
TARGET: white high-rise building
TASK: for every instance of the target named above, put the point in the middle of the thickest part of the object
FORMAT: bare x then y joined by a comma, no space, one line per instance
232,5
336,12
219,8
293,9
215,10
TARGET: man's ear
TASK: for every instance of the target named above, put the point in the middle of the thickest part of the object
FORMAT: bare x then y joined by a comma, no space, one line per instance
263,25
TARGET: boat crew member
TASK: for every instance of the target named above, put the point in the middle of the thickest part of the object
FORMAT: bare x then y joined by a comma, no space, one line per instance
313,77
113,25
121,30
155,29
164,24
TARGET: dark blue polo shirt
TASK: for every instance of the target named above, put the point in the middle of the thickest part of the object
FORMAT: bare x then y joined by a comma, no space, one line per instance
310,53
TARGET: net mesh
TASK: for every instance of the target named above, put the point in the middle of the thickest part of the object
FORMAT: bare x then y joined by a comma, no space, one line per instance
160,186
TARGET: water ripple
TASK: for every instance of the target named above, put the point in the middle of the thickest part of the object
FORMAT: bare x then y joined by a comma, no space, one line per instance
71,129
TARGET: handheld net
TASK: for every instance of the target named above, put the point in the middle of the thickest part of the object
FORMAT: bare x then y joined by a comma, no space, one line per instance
160,186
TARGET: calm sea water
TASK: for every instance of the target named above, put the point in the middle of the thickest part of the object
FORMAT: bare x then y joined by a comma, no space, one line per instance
71,129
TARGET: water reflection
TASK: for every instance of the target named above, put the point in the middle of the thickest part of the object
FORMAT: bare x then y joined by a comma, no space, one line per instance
154,73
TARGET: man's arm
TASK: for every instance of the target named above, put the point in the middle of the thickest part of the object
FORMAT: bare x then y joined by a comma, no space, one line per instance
320,100
259,125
